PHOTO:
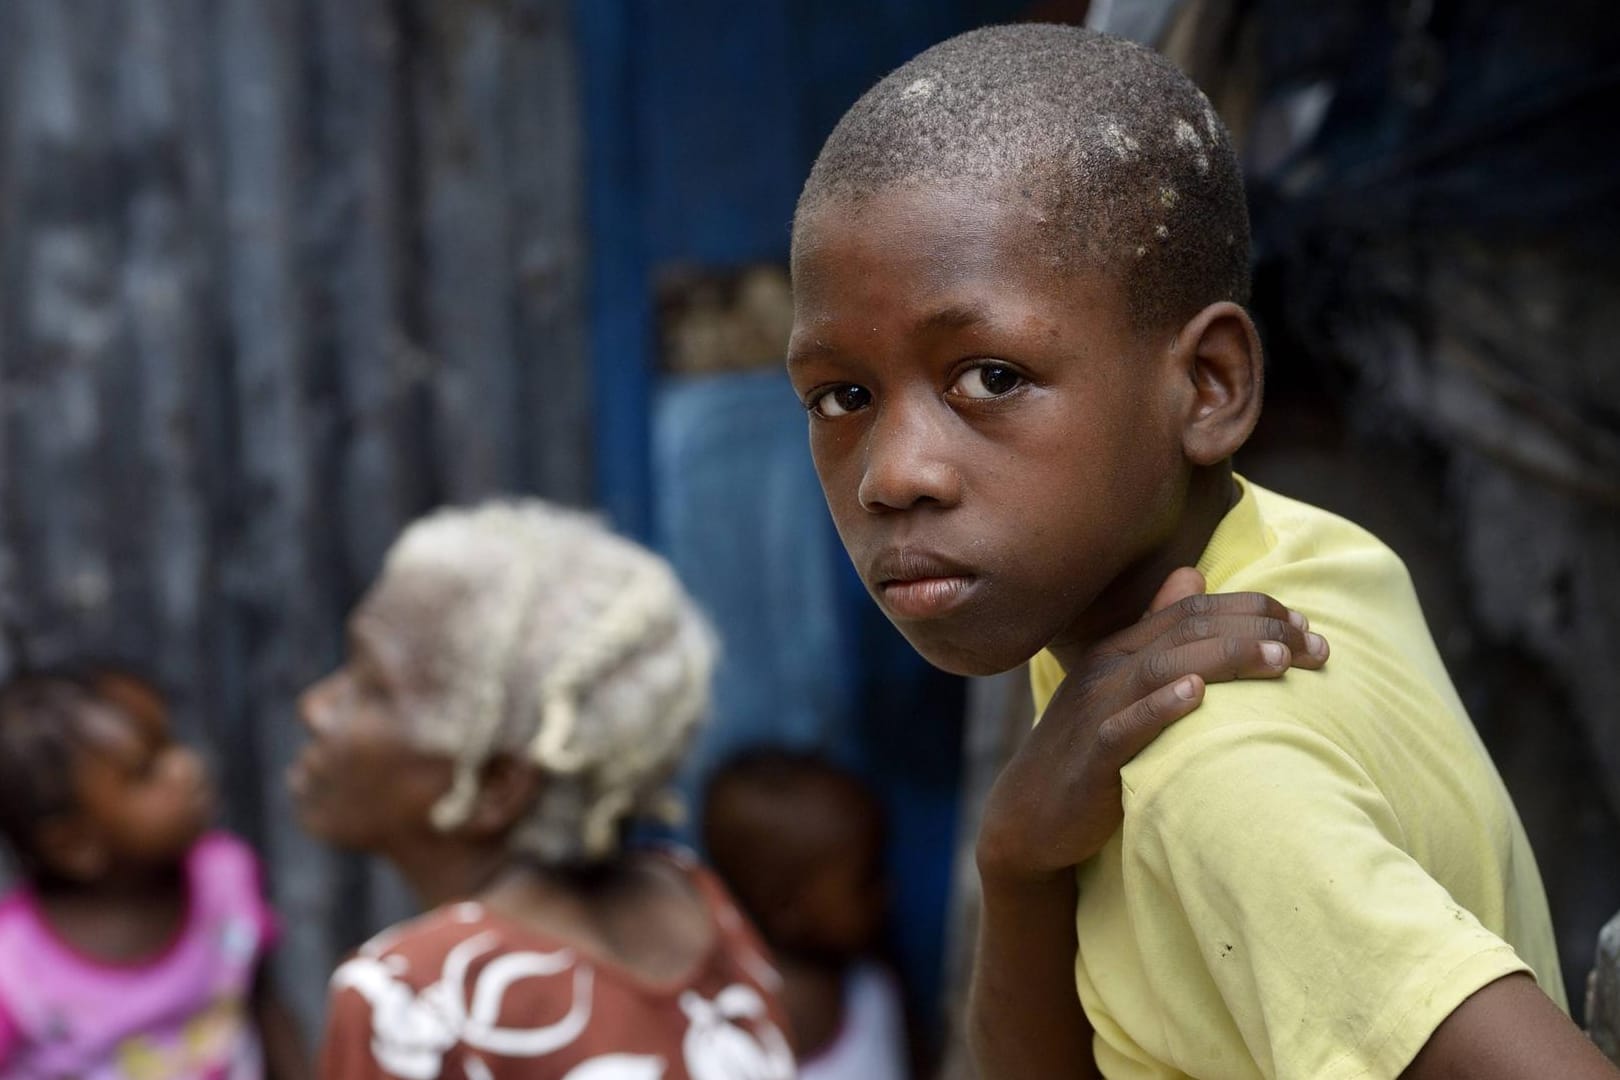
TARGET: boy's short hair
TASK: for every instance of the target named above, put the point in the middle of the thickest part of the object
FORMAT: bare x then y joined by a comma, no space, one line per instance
1124,156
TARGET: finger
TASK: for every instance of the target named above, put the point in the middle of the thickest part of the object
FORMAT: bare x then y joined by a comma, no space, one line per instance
1124,735
1217,660
1184,581
1142,633
1307,649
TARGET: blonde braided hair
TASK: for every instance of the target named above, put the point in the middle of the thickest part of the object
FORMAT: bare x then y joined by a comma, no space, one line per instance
565,642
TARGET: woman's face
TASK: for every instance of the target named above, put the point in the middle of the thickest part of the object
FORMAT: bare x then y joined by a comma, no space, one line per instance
361,782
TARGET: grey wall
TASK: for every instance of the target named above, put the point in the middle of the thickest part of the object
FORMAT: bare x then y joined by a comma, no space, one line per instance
275,277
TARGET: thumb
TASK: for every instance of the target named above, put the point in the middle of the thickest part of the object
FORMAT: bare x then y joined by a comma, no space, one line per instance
1182,583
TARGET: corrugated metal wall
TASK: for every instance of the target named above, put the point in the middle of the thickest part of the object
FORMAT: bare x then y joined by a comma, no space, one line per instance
275,277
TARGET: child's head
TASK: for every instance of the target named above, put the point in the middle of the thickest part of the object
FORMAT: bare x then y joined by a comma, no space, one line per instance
517,672
92,785
1019,264
800,841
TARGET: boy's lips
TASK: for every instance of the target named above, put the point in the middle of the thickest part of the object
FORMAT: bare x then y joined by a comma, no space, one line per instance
925,598
920,585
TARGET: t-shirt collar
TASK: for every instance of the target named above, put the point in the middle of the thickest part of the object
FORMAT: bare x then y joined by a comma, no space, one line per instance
1238,540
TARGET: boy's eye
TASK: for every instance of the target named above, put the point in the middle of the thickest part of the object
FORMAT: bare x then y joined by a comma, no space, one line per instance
841,401
986,381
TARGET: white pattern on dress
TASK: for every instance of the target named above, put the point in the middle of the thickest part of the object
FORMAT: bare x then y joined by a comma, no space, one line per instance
411,1032
716,1048
618,1067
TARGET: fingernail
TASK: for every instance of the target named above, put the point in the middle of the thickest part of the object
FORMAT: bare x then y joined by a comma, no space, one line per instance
1186,689
1274,652
1298,619
1316,644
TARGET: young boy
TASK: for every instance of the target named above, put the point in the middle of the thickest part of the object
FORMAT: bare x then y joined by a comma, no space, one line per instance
1019,268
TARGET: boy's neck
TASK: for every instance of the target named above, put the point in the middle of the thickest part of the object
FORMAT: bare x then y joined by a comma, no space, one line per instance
1211,493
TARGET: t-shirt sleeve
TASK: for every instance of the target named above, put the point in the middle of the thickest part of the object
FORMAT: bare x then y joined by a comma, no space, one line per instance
1268,850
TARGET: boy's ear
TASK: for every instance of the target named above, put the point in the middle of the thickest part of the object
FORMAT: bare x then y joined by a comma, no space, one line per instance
508,789
67,845
1218,354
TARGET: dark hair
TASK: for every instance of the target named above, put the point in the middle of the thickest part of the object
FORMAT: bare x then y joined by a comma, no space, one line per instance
41,733
1125,154
756,807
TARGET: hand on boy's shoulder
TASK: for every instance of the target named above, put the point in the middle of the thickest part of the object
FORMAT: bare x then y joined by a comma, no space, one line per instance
1059,799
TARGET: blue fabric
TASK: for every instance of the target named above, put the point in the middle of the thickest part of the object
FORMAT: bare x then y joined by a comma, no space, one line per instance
808,660
739,513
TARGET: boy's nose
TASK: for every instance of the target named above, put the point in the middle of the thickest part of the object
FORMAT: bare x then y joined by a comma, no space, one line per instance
905,463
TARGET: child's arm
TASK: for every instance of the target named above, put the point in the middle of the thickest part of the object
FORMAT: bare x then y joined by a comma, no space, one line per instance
284,1054
1024,1017
1058,801
1506,1031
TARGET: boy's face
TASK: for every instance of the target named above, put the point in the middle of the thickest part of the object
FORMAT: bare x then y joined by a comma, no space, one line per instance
1000,448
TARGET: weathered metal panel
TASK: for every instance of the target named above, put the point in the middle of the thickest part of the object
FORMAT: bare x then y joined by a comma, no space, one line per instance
276,276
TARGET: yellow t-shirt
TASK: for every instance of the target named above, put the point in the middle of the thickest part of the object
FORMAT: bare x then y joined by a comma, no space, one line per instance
1314,871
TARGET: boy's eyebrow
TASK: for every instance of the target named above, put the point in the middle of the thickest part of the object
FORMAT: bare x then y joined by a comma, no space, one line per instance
953,316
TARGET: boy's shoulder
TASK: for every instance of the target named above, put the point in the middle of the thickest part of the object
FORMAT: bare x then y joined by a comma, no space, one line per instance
1379,735
1383,684
1273,541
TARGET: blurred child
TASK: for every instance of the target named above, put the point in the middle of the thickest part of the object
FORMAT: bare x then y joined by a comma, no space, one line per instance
135,946
800,841
520,684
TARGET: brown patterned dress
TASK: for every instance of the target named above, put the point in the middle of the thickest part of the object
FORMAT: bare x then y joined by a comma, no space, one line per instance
465,992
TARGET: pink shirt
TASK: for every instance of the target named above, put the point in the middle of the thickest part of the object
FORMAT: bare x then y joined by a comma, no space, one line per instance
180,1016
